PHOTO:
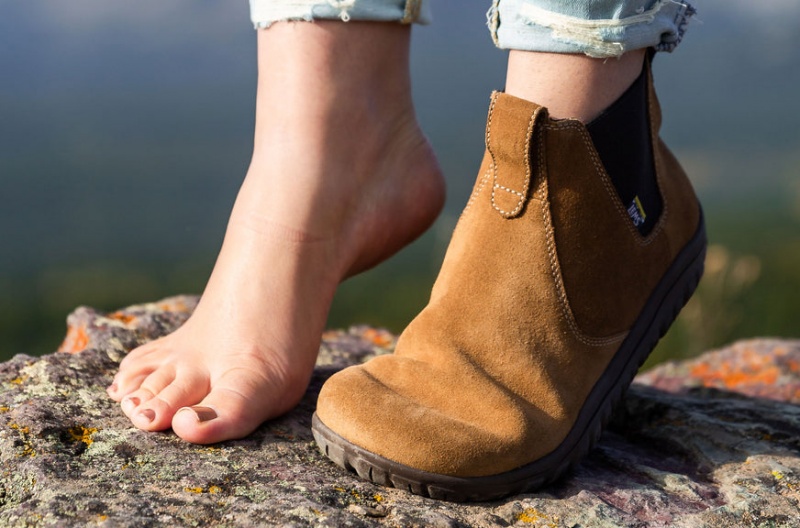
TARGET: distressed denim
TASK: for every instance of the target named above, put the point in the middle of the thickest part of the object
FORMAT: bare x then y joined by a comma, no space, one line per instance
263,13
598,28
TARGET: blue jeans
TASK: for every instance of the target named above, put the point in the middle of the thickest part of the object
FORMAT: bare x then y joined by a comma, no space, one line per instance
597,28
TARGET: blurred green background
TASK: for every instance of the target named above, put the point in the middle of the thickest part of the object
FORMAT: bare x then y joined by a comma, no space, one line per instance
125,130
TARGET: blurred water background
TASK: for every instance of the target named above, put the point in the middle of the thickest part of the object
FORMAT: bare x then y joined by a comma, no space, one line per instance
125,130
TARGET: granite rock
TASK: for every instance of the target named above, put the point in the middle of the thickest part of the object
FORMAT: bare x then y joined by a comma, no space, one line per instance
713,442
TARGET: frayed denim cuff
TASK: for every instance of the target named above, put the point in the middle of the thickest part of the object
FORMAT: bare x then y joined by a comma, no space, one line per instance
597,28
264,13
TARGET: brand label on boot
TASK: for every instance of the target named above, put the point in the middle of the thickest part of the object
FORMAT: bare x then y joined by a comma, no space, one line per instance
636,212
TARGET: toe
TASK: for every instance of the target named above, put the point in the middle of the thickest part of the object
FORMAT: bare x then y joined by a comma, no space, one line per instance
127,382
132,401
150,386
133,370
233,409
156,413
223,415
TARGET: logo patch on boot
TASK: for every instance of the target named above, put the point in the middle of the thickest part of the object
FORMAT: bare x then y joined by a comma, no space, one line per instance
636,212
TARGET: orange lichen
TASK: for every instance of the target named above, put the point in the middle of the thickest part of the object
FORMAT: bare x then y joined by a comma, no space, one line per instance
122,317
282,434
793,365
755,370
174,305
76,340
380,338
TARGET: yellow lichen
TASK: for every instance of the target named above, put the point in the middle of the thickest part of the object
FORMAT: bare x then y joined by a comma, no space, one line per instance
27,449
777,474
101,518
4,409
199,489
378,497
24,429
532,515
83,434
19,380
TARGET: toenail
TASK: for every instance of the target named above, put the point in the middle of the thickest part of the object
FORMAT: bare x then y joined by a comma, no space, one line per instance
131,401
203,414
113,387
148,414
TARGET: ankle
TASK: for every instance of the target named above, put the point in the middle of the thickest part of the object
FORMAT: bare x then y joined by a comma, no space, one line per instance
324,66
318,81
571,86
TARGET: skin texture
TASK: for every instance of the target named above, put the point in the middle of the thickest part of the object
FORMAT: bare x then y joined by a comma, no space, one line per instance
340,179
571,86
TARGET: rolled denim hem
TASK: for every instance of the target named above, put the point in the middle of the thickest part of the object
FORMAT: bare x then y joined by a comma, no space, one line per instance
264,13
597,28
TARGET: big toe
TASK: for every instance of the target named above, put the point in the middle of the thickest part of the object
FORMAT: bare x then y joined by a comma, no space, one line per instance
231,410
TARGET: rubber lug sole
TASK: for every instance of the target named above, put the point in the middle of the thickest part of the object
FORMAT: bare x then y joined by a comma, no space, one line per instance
670,295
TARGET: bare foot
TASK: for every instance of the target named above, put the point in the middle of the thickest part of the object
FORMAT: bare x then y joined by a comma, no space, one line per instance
341,178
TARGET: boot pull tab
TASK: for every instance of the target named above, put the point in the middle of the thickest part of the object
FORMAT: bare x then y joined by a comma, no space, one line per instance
509,132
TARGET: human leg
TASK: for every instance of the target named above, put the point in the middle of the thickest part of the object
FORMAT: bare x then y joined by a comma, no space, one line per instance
341,178
571,85
549,298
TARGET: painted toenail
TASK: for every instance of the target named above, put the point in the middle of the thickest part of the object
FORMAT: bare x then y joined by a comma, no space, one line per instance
148,414
203,414
129,404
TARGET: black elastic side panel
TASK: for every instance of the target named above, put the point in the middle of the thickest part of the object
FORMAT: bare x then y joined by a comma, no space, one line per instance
621,135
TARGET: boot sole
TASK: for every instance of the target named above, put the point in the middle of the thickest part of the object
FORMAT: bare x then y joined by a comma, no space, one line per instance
669,296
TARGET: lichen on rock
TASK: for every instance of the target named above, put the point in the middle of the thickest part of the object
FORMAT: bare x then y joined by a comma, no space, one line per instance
712,442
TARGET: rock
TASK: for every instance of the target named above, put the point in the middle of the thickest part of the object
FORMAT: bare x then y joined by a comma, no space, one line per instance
762,368
709,443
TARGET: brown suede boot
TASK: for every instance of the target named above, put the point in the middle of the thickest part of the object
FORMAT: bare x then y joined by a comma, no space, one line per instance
548,301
